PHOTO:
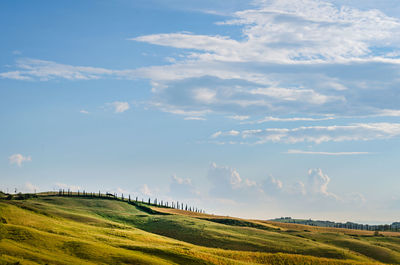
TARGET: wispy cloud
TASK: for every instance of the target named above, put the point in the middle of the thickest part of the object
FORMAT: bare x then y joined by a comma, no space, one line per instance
194,119
294,57
67,186
84,111
33,69
289,31
119,106
302,152
228,133
294,119
316,134
19,159
239,117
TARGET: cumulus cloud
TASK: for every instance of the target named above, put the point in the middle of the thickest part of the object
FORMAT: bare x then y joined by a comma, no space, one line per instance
29,187
119,106
67,186
145,190
317,134
272,186
19,159
182,187
122,191
314,186
309,192
227,182
317,183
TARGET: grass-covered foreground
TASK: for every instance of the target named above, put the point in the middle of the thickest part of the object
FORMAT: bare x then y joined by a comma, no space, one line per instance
70,230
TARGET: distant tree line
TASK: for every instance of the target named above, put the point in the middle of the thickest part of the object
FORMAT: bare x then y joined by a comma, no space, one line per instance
348,225
114,196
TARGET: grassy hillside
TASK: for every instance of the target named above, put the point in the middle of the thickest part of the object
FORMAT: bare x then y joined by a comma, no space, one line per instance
68,230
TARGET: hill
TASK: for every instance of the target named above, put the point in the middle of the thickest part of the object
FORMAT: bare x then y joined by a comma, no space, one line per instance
86,230
349,225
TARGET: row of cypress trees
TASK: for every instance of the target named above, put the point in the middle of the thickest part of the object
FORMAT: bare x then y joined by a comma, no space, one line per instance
174,205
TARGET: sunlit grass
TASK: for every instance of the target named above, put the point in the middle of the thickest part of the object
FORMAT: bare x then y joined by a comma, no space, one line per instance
70,230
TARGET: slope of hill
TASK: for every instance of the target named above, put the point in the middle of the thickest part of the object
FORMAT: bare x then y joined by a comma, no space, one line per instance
70,230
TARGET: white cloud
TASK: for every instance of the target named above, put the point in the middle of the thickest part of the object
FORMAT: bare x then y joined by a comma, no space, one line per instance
301,152
389,113
313,187
119,106
292,31
33,69
294,119
232,133
179,111
272,68
204,95
227,183
295,56
145,190
298,188
64,186
317,183
286,94
239,117
29,187
194,119
17,75
182,188
216,134
272,186
121,190
177,180
318,134
84,111
18,159
228,133
276,182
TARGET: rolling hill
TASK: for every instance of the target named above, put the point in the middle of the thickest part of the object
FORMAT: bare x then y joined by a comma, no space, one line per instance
88,230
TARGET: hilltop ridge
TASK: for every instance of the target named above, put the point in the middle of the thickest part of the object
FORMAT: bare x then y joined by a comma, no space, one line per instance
91,230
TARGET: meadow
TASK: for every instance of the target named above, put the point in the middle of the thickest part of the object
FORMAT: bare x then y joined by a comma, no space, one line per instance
88,230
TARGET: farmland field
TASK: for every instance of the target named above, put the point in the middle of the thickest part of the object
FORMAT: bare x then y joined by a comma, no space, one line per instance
79,230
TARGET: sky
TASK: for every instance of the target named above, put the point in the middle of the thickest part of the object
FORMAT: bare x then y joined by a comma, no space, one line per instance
256,109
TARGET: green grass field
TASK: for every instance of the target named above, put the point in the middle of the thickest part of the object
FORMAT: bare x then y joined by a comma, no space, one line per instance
71,230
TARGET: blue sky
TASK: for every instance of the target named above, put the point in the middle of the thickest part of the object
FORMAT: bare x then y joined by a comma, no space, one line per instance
254,109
